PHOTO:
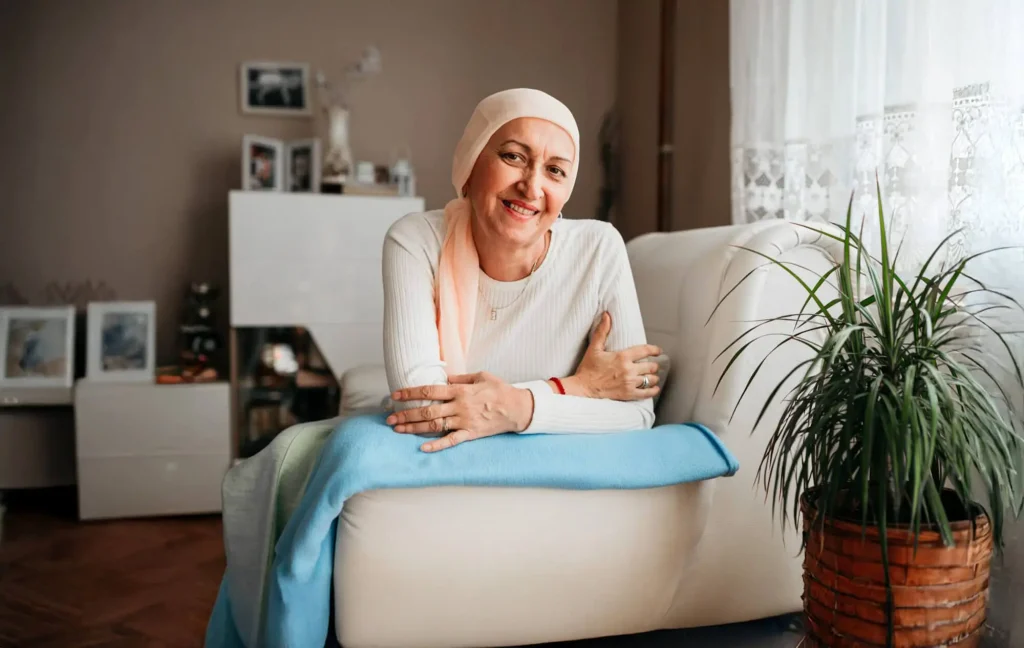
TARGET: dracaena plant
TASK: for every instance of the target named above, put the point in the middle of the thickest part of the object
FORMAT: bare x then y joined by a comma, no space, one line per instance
898,410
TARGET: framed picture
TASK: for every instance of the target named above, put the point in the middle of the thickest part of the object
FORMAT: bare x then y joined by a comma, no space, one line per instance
275,88
302,165
121,341
37,346
262,163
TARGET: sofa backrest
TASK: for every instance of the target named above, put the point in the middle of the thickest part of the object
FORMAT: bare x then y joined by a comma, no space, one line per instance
678,276
680,279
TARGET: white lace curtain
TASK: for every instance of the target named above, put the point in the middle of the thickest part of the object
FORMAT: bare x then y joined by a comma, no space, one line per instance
928,94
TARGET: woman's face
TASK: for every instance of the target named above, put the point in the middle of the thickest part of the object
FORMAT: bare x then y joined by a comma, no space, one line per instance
521,180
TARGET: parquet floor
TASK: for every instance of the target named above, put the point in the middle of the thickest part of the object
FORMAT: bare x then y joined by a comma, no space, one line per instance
118,584
151,583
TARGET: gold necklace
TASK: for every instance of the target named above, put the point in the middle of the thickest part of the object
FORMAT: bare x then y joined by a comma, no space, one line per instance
494,309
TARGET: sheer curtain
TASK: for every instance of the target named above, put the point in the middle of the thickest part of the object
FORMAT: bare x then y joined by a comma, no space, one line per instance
928,95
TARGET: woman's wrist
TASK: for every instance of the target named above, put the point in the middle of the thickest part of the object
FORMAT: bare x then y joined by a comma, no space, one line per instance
522,408
576,386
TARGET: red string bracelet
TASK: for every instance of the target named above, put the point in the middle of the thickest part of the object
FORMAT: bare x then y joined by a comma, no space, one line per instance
558,383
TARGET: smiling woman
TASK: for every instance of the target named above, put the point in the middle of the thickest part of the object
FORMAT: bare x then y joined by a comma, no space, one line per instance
501,316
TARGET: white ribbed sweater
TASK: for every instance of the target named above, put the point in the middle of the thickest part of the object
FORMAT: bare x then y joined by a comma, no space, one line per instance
543,323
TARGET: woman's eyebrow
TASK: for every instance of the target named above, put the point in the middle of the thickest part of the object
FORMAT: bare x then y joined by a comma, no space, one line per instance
530,150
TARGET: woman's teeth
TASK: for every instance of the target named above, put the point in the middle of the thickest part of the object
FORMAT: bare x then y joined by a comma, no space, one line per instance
519,210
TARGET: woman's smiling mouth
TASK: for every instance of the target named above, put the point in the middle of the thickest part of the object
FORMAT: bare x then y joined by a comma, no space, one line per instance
519,209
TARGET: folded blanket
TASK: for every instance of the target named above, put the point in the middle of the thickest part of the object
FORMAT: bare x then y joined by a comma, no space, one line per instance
364,453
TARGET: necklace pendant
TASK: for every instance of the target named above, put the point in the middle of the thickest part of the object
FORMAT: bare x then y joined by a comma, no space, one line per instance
494,314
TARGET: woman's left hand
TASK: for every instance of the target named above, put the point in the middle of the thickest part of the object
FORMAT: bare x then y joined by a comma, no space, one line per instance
472,406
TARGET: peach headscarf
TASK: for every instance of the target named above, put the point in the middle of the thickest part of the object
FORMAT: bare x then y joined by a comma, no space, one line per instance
459,266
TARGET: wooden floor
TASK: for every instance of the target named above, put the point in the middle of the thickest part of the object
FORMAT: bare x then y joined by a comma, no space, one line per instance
152,583
138,583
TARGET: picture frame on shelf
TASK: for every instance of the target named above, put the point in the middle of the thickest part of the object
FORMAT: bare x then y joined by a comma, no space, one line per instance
276,88
121,341
262,163
37,346
302,165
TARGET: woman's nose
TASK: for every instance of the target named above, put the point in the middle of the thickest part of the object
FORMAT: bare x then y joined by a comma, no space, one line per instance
530,185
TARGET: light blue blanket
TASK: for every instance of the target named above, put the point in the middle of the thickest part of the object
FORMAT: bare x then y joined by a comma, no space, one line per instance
364,454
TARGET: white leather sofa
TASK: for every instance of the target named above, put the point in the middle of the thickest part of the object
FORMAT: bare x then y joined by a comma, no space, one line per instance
452,567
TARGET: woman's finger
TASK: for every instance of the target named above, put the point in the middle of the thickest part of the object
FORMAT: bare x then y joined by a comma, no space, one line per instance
642,351
600,336
646,368
652,380
425,392
644,394
432,426
431,412
447,441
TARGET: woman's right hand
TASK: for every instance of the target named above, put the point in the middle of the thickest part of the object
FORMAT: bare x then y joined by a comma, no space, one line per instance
615,375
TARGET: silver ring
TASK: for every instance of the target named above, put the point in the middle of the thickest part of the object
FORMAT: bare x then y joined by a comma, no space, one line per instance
646,383
444,424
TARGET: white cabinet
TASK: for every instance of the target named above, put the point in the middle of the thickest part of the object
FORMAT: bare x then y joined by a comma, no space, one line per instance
311,261
308,257
145,449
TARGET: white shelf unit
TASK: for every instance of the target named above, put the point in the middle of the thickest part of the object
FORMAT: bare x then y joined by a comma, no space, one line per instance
311,260
145,449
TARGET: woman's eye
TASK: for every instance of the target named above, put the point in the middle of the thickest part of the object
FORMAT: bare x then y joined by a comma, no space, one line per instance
511,157
557,171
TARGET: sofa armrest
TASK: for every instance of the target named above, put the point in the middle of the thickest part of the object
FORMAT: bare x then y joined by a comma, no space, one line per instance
741,536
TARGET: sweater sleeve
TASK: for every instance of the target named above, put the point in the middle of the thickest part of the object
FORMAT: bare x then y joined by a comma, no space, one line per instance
412,353
556,413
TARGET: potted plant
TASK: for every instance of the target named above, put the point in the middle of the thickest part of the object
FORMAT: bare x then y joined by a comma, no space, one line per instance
896,421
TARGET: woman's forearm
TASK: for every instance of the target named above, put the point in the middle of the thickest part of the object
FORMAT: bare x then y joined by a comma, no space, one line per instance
556,413
573,386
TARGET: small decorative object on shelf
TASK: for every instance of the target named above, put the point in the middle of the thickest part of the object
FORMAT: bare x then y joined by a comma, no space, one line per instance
338,163
302,165
262,163
200,342
403,177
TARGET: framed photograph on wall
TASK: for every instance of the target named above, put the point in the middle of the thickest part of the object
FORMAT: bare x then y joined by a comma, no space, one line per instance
121,341
275,88
262,163
37,346
302,165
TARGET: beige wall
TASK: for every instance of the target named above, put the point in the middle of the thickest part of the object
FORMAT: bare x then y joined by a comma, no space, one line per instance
701,183
122,132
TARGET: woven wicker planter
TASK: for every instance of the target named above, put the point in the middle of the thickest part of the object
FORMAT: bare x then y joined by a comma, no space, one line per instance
940,595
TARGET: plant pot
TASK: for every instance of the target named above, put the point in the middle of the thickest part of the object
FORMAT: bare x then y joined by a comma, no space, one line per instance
940,594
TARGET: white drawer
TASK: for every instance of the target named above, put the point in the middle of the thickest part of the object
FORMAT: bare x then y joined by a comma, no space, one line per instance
111,487
145,419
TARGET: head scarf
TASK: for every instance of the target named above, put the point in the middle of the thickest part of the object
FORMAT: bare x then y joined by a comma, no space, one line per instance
458,270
